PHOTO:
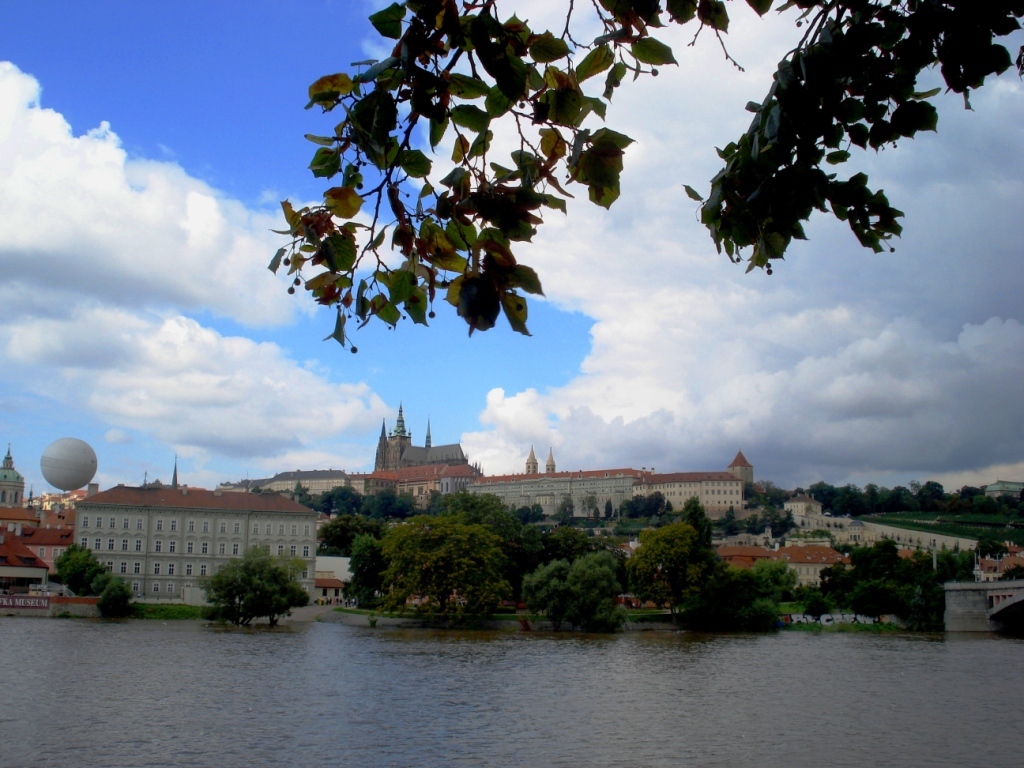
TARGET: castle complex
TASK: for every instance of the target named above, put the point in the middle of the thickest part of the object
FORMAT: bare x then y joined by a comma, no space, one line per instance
396,451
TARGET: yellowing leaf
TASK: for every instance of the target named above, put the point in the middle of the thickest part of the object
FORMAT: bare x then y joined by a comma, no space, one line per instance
344,202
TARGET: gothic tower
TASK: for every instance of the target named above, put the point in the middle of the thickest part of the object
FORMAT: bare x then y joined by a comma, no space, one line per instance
550,465
531,463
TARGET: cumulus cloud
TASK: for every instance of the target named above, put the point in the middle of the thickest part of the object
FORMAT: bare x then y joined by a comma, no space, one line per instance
105,257
82,219
843,365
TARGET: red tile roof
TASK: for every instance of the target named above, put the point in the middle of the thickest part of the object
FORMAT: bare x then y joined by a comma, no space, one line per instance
18,515
15,554
686,477
191,498
59,537
322,583
582,474
740,460
811,556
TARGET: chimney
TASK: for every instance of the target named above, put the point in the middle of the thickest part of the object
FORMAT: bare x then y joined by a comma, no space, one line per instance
184,490
92,489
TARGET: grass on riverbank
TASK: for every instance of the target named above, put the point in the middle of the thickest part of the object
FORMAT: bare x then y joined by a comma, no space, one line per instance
171,612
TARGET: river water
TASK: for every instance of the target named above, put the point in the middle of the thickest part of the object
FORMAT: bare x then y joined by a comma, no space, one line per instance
93,693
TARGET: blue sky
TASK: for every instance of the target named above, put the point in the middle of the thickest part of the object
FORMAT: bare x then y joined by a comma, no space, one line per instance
144,147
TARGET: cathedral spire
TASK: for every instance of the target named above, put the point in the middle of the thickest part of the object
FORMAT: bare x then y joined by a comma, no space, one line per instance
550,466
532,467
427,444
400,423
174,477
383,429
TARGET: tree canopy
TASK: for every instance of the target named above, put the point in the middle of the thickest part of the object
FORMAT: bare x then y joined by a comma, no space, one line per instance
255,585
393,229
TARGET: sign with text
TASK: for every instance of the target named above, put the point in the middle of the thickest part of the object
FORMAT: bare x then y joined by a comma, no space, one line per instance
39,602
828,619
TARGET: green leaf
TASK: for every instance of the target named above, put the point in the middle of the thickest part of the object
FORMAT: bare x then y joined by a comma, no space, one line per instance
326,163
614,79
515,309
414,163
466,87
339,330
651,51
400,285
416,306
595,62
389,21
275,263
437,131
714,14
385,310
607,135
340,252
681,11
473,118
548,48
526,278
761,7
344,202
481,144
693,194
835,158
323,141
497,103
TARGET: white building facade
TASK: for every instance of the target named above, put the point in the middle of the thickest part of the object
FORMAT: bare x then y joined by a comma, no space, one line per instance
162,540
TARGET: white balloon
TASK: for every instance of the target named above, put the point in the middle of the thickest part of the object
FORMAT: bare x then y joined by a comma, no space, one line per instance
68,463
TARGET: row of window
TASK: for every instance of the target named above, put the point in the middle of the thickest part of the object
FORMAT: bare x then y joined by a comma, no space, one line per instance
172,547
57,552
173,526
14,497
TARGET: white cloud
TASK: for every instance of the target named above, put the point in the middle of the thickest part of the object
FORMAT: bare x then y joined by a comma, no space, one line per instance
82,219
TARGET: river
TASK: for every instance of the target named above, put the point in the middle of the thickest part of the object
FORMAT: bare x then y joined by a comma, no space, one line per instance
94,693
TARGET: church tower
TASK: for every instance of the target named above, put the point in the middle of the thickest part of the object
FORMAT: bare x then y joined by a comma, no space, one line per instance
531,463
550,465
12,484
427,443
742,469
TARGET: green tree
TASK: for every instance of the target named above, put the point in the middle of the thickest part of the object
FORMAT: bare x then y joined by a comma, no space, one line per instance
734,600
343,500
115,596
255,585
389,504
461,70
452,568
566,511
547,591
77,568
366,566
669,567
777,579
593,585
337,535
564,543
300,495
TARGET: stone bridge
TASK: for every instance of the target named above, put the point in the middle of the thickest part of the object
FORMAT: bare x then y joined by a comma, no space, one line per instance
985,607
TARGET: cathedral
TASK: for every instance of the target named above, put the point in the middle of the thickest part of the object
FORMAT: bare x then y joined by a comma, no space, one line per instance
396,451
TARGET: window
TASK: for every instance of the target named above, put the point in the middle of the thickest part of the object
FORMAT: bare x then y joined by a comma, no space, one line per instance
138,545
137,568
206,548
188,547
110,543
170,586
158,546
159,524
172,546
85,522
305,574
124,523
295,529
156,587
305,530
188,569
170,570
174,525
238,528
113,523
269,529
305,551
255,528
42,551
191,526
202,570
156,569
280,549
85,543
234,549
124,545
220,549
223,527
124,567
99,544
135,587
110,565
280,529
291,550
206,526
138,524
